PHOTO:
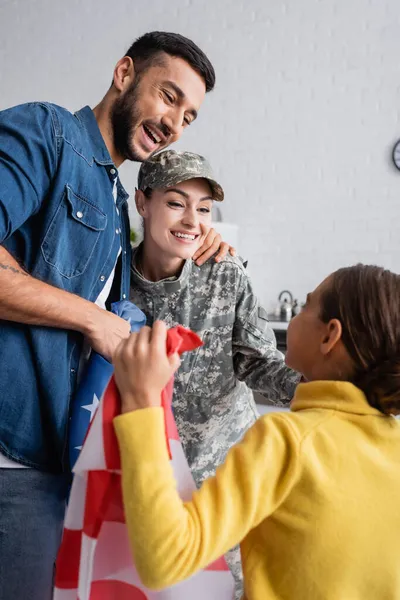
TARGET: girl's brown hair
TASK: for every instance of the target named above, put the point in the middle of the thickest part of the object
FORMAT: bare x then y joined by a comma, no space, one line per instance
366,300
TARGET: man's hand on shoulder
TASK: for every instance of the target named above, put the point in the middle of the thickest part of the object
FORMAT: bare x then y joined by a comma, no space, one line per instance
212,243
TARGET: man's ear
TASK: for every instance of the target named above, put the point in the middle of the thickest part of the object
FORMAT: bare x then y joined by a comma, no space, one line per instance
331,337
140,201
124,73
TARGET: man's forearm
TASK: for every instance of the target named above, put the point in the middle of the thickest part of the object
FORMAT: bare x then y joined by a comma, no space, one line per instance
24,299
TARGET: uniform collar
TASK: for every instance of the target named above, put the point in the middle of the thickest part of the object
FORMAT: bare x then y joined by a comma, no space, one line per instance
164,287
334,395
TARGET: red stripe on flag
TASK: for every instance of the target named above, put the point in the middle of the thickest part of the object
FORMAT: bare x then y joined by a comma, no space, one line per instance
67,565
218,565
103,501
171,430
111,408
179,340
114,508
111,590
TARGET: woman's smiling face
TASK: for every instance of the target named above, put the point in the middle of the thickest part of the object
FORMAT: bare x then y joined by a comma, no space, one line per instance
176,219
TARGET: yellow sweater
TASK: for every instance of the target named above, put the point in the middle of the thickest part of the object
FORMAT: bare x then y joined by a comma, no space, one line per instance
312,495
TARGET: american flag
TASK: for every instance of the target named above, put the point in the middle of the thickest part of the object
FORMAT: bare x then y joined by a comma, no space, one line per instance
94,381
94,561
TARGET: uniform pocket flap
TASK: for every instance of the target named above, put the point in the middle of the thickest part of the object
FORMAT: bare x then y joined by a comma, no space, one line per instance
84,212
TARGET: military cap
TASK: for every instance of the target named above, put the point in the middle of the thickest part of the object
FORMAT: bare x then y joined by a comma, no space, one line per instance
169,167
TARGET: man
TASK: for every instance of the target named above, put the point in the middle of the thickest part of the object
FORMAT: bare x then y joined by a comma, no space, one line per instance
64,254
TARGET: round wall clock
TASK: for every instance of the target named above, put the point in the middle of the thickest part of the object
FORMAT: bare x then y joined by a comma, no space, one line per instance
396,154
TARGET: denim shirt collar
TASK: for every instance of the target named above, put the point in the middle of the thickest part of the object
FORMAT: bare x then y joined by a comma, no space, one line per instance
88,120
99,150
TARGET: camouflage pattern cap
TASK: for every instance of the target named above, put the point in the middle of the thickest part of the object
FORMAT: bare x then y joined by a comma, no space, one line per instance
170,167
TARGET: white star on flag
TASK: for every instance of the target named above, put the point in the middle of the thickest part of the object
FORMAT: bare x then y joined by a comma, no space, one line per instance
92,407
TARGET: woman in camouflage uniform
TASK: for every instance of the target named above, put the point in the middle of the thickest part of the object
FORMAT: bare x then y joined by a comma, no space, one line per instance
213,402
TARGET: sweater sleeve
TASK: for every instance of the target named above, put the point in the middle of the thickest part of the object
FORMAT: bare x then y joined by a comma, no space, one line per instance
172,539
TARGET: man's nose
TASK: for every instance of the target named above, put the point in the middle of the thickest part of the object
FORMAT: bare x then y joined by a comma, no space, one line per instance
173,122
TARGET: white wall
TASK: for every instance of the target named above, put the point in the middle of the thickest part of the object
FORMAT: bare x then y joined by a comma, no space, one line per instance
299,129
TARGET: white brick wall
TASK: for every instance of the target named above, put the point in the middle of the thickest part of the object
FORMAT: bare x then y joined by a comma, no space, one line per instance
299,129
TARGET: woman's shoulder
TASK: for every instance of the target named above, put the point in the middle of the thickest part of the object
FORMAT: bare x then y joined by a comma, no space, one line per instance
224,278
229,264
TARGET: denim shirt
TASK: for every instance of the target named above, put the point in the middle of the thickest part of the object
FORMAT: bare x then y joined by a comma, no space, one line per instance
58,218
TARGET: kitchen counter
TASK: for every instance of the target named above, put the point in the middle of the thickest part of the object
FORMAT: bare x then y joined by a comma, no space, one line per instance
280,329
277,324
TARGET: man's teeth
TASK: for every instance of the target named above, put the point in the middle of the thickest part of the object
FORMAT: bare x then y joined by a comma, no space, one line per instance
153,135
186,236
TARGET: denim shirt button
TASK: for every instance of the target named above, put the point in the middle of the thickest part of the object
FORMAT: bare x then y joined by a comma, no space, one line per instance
102,278
79,214
113,171
124,296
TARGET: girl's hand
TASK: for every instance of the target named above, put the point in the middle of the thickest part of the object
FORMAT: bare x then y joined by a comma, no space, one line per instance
142,367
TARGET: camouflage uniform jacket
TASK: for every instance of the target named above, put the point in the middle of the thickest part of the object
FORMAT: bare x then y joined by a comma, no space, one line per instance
212,402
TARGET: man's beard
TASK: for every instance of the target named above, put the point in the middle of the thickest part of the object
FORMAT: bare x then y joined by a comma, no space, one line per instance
124,120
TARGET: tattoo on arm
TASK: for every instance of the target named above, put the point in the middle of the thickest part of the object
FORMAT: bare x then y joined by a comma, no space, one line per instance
13,269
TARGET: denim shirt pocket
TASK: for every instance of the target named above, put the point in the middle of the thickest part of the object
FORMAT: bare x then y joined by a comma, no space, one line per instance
73,234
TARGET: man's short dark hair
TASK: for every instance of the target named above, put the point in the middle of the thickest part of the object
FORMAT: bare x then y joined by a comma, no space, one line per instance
149,47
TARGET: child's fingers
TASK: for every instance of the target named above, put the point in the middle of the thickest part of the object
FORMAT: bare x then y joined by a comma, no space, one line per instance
125,349
159,346
174,361
159,338
142,342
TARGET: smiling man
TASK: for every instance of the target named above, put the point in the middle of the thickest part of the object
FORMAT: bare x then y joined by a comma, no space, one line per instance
64,256
152,100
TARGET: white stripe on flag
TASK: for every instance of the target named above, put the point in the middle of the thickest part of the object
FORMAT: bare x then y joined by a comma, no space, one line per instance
92,457
182,473
86,566
118,565
76,506
64,594
113,553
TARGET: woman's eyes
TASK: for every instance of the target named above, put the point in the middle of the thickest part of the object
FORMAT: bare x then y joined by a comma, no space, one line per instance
173,204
